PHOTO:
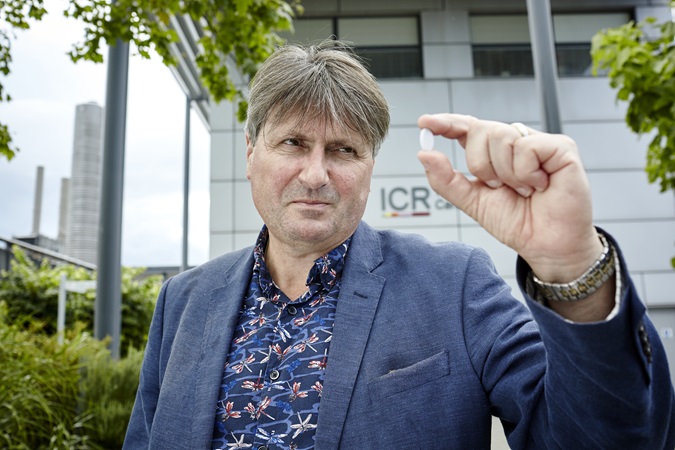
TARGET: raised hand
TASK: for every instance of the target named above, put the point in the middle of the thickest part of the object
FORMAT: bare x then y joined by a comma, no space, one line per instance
530,191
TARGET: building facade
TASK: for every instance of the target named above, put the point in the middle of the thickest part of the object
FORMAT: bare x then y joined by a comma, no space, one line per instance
84,190
473,57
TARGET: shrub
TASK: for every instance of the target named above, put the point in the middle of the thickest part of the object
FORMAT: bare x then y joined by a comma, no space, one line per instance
31,291
69,396
109,389
39,391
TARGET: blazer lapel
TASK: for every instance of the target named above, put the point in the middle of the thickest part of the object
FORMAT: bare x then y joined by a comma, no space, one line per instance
223,311
360,293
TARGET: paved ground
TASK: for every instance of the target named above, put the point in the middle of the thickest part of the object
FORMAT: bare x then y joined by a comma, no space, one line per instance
498,438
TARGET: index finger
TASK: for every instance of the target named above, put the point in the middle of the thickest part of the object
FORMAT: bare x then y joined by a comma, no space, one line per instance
451,126
459,126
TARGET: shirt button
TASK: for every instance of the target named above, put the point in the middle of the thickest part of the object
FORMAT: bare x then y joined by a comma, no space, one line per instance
292,310
274,375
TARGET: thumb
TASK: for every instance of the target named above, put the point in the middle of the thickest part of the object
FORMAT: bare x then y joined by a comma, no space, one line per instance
450,184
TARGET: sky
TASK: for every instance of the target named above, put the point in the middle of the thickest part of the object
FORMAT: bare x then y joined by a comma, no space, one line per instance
46,86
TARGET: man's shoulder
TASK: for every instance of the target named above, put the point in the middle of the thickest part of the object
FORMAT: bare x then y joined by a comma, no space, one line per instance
215,269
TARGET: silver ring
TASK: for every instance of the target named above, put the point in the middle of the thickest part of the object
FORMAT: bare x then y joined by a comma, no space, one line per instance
522,129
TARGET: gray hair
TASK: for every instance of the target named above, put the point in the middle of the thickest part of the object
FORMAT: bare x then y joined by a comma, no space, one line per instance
326,82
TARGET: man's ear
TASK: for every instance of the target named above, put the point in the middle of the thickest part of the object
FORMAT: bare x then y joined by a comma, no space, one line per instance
249,156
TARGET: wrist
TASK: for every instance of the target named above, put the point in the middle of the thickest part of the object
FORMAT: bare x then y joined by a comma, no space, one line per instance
601,270
568,264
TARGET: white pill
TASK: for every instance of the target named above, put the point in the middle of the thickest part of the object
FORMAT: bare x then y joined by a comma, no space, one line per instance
426,139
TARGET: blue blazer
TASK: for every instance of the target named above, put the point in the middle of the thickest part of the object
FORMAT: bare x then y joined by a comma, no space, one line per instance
428,344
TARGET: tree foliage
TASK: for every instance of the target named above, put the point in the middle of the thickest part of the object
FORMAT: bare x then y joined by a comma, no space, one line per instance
640,61
237,34
14,15
31,291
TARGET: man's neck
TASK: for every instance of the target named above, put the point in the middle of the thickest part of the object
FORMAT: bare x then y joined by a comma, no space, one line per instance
289,268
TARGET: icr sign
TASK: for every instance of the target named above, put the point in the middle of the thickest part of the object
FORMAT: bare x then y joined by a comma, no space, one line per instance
414,199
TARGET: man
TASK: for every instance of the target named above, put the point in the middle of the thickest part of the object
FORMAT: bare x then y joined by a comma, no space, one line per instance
329,334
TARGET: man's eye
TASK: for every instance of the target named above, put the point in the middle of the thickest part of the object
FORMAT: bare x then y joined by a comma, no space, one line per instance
346,150
293,142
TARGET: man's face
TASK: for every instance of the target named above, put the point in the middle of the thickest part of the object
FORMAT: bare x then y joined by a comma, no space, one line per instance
310,182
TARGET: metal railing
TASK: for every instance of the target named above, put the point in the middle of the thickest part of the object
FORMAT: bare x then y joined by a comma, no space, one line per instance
40,253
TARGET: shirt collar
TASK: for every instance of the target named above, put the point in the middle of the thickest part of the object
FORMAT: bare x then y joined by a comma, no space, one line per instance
326,270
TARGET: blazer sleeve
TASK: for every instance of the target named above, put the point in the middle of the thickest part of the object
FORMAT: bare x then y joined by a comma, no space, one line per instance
604,384
558,384
143,412
610,377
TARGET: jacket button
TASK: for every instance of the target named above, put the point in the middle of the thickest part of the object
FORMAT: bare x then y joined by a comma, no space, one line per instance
644,340
274,375
262,447
292,310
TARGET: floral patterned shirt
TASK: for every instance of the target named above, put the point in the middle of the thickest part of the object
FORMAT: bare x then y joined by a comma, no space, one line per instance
273,376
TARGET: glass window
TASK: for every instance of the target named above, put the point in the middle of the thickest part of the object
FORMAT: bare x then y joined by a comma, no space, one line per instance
506,29
582,27
380,31
574,59
511,60
389,46
310,31
573,34
501,44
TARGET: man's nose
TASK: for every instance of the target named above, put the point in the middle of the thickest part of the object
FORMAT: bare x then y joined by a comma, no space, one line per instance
314,173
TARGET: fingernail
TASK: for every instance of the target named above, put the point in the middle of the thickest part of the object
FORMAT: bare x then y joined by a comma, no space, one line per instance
524,191
494,184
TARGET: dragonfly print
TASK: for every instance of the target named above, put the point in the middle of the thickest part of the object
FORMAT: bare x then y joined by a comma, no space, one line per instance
239,368
254,385
296,392
306,343
318,387
276,349
238,443
319,364
257,411
303,426
245,337
228,413
300,321
270,438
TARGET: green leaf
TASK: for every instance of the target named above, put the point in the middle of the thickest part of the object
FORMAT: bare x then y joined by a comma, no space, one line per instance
6,148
